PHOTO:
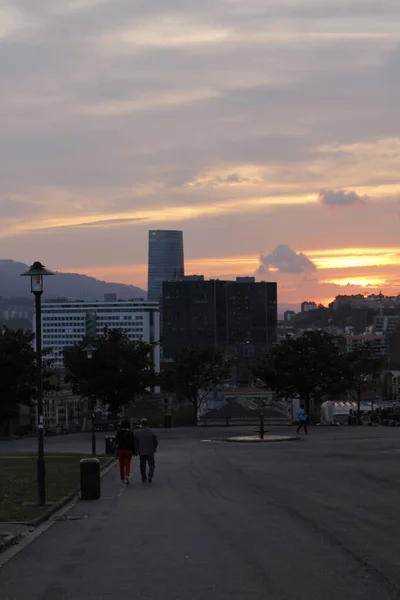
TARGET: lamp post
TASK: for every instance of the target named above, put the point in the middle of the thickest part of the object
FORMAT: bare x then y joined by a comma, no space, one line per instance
89,353
37,272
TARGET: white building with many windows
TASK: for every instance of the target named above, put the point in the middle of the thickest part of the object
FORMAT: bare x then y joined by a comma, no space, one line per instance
66,323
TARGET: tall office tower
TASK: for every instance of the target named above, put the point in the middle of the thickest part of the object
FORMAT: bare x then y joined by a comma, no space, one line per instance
165,261
239,317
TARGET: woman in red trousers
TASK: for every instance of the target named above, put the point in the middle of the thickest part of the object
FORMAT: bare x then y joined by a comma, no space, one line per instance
125,443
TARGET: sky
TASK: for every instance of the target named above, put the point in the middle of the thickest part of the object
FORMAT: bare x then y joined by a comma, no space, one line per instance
267,130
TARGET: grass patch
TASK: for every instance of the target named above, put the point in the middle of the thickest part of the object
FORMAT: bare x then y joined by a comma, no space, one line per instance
33,453
18,483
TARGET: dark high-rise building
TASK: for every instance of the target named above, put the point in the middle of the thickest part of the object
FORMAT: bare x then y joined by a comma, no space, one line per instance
165,260
239,316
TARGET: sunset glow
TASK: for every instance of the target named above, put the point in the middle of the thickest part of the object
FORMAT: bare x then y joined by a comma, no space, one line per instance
336,264
252,127
357,281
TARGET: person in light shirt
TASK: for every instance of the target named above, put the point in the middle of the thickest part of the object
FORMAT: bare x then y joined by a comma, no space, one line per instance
146,445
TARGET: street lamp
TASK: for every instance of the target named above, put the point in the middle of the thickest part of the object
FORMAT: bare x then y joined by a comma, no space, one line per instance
37,272
89,349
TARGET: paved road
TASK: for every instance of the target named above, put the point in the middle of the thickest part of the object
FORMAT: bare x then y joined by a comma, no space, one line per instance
296,521
81,443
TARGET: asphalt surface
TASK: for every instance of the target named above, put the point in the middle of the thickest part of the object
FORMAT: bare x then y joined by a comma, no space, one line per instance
81,443
308,520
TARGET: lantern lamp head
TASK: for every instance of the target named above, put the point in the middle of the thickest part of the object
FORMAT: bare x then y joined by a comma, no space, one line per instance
37,272
89,351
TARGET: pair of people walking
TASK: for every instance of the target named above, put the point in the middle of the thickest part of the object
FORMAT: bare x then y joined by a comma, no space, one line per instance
143,443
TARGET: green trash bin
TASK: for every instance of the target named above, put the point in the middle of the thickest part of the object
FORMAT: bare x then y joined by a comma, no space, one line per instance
110,445
90,478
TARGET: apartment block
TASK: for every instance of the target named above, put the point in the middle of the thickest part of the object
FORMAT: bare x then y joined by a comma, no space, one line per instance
67,323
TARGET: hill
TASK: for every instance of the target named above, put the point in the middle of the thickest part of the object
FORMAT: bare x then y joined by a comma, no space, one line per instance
63,285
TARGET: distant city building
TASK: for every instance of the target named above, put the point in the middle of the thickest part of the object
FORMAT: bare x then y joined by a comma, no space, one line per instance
393,349
192,278
166,260
377,341
307,306
241,402
288,315
65,324
8,315
245,279
349,330
386,323
110,298
356,300
64,410
239,317
374,301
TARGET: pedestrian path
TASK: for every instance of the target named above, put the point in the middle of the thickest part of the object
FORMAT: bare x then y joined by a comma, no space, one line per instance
219,522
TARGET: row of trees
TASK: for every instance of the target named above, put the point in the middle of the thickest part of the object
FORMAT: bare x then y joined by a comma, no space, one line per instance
118,371
312,366
18,373
194,373
315,367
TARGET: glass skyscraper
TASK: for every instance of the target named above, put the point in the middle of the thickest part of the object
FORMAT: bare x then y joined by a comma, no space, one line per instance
166,261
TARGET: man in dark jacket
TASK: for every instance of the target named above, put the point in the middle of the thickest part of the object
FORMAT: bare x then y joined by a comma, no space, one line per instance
126,447
146,445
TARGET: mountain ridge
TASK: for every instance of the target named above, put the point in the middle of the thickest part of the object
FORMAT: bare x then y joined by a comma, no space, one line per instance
63,285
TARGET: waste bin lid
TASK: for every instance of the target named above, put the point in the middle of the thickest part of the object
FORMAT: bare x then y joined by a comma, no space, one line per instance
110,437
89,460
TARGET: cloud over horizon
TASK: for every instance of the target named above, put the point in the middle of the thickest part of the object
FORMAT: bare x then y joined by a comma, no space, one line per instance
285,260
341,198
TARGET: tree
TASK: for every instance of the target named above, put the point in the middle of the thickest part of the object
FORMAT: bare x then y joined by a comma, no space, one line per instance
308,366
360,366
195,372
118,370
17,371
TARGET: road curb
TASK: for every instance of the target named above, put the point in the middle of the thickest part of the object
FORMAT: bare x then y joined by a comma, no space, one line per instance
257,440
13,539
10,540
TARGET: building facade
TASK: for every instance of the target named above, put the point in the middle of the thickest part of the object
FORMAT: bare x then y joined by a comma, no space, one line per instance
288,315
67,323
166,260
308,306
238,316
386,323
62,409
373,301
378,343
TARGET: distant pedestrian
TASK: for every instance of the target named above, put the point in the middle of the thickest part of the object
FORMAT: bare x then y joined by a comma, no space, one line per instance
146,444
126,448
302,417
